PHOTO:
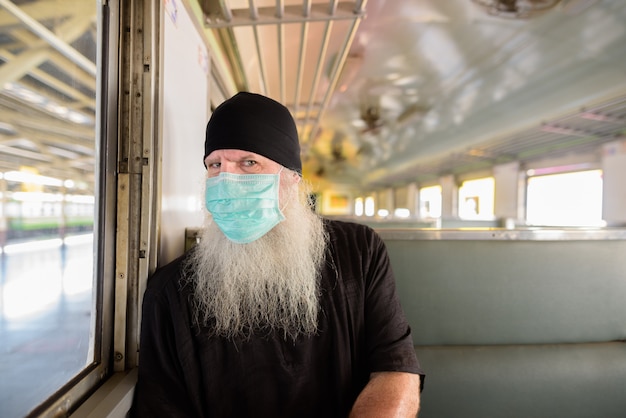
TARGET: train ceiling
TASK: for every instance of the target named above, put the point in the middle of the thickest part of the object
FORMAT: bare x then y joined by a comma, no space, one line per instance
384,92
392,91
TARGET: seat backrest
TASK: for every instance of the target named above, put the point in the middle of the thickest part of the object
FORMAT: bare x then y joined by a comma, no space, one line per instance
511,292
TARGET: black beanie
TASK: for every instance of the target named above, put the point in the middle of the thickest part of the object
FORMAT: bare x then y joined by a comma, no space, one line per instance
258,124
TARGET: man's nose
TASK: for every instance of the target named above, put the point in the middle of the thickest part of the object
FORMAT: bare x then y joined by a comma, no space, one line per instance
230,167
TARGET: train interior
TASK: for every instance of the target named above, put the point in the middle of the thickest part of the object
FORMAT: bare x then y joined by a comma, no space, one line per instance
484,140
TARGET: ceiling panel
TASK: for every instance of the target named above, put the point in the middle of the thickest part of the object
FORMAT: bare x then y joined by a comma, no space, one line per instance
429,87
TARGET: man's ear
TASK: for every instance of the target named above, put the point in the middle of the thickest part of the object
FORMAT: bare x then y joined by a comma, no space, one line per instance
290,177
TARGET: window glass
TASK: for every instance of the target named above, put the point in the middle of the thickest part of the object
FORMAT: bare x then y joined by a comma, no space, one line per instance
401,213
358,206
383,213
47,160
566,199
430,202
476,199
370,206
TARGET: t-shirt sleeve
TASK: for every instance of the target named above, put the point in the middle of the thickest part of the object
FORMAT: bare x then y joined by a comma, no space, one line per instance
388,334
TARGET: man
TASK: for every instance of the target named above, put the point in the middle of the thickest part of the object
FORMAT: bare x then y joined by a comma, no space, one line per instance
275,312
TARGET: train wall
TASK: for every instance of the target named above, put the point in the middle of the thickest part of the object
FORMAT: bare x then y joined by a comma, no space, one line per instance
185,111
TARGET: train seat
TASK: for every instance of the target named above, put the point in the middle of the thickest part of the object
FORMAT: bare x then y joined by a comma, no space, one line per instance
513,328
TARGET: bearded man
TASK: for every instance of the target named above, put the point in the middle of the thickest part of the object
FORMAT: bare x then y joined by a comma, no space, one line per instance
276,312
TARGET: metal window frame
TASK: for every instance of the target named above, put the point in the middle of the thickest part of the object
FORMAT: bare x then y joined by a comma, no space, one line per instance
127,187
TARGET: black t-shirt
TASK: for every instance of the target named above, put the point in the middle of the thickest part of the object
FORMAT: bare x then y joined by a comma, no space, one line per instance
185,373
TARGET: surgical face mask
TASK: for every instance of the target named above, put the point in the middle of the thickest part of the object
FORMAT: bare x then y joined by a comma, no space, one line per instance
244,206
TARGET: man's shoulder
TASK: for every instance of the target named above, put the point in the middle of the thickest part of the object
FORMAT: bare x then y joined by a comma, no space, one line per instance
343,229
345,226
167,275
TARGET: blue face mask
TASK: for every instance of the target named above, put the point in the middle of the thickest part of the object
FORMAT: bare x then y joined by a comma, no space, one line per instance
244,206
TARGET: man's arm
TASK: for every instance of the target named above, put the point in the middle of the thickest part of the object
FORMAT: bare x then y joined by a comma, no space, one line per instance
390,395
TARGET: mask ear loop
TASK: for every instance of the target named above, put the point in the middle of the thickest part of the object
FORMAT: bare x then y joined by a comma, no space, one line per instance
286,198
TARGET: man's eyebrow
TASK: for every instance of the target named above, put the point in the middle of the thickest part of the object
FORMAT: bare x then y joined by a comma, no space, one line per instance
250,156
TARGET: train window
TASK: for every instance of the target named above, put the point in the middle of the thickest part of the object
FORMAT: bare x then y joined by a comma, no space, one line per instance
401,213
401,201
476,199
47,199
565,199
358,206
370,206
382,213
430,202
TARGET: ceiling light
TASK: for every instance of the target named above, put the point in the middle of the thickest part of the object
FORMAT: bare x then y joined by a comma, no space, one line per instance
516,9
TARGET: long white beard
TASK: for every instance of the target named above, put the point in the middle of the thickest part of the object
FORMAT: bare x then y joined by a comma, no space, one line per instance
268,285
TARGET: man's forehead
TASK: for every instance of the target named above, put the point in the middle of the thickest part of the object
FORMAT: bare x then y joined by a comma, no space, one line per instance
235,155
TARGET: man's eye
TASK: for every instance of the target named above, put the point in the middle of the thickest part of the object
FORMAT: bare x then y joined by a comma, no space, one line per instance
214,165
249,163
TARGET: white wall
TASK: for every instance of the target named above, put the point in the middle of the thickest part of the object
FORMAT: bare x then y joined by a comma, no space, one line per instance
614,174
185,111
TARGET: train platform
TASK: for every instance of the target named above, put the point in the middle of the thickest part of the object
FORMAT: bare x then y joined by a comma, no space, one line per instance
46,319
